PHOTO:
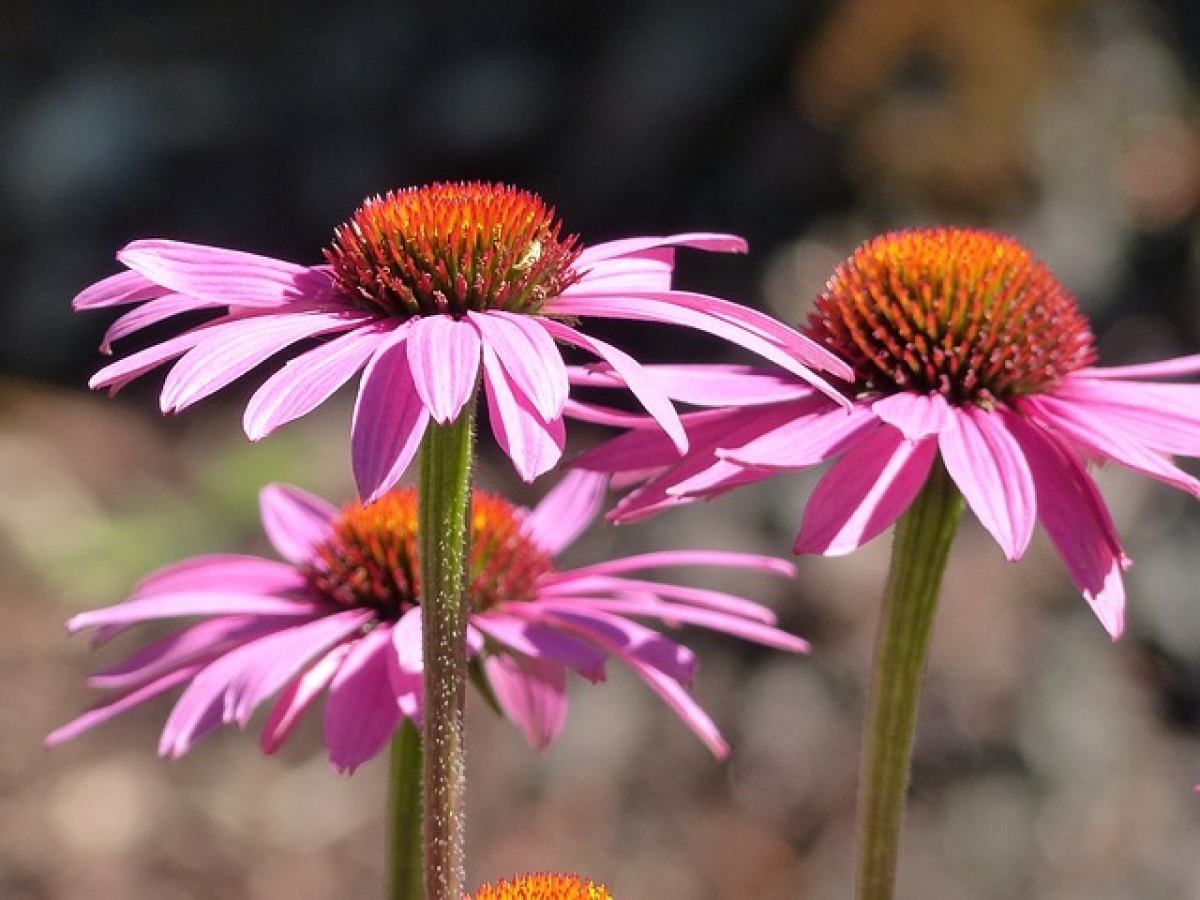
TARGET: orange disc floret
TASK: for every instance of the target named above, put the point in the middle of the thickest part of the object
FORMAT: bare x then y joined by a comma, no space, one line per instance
543,886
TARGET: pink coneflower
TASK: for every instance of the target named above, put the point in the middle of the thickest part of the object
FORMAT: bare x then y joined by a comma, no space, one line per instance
341,616
422,290
965,350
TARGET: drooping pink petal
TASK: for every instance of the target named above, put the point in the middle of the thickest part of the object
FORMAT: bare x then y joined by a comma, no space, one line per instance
1165,417
116,375
298,697
443,357
150,313
529,356
713,242
798,434
1090,429
101,714
659,559
361,713
220,358
1077,520
634,640
295,521
532,692
231,277
642,386
987,465
649,270
864,492
233,572
566,512
306,381
117,290
534,445
212,602
389,422
588,582
1166,368
533,639
916,416
708,385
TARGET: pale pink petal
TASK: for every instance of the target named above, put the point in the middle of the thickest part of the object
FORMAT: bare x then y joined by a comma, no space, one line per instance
987,465
567,511
1180,365
298,697
864,492
389,422
117,290
648,269
150,313
227,353
211,602
534,639
591,581
709,385
916,416
116,375
407,641
306,381
719,243
231,277
101,714
633,640
1078,522
443,356
233,572
534,445
295,521
532,693
799,434
530,357
1163,416
641,385
361,714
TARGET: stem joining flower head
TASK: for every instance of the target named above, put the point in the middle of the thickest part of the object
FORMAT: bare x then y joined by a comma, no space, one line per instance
447,249
544,887
370,558
966,313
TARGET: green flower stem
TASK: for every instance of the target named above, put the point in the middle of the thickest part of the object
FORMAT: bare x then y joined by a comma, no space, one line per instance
443,510
404,814
922,546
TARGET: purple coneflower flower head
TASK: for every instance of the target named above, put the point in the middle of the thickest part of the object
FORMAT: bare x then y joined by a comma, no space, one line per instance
341,617
967,353
423,290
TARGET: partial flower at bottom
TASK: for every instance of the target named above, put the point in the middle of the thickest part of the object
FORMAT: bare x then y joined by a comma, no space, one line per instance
543,886
341,618
965,350
428,292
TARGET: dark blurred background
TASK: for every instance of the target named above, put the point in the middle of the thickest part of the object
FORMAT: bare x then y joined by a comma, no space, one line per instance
1050,763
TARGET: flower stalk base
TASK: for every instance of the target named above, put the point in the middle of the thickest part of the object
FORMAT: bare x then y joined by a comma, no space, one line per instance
919,554
404,815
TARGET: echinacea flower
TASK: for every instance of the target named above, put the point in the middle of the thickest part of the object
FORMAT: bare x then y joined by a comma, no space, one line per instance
423,290
543,886
966,350
342,617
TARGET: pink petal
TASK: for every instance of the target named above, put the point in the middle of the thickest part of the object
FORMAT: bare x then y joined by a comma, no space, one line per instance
714,385
361,714
118,374
1078,522
117,290
233,572
228,352
534,445
989,468
230,277
1181,365
719,243
298,697
614,633
641,385
306,381
535,640
567,511
443,356
529,356
150,313
592,581
1163,416
295,521
648,269
916,416
532,693
389,422
408,641
798,434
212,602
864,492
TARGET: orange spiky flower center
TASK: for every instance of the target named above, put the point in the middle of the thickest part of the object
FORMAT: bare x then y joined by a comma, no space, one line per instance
966,313
544,887
448,249
370,558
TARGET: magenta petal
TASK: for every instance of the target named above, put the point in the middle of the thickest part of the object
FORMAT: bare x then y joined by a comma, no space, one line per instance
1166,368
640,384
231,277
443,357
102,714
298,697
701,240
236,573
529,356
295,521
212,602
118,374
534,445
798,434
533,639
117,290
723,385
989,468
1163,416
916,416
225,355
389,422
407,641
648,270
567,511
306,381
532,693
150,313
864,492
1078,522
361,713
633,640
